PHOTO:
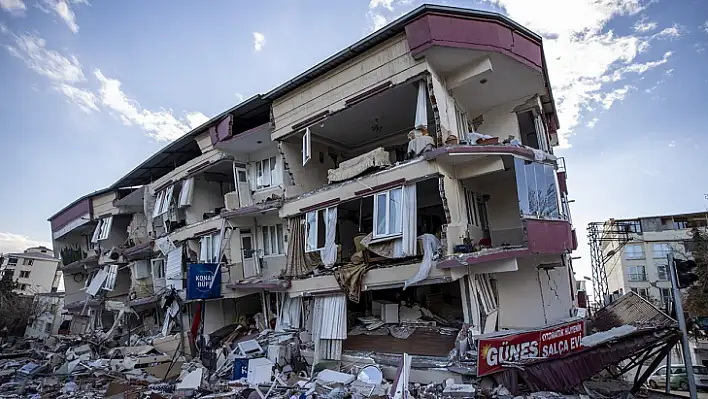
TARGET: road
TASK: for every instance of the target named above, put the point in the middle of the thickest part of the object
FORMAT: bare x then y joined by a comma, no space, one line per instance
701,395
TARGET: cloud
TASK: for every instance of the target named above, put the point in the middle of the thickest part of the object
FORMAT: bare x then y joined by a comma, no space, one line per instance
705,27
674,32
62,9
378,21
239,97
49,63
160,125
593,122
84,99
10,242
644,25
196,119
16,7
381,3
672,143
259,40
609,98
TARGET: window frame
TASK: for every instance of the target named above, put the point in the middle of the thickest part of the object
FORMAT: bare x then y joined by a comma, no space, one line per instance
309,230
102,230
626,255
664,297
163,201
273,247
153,267
388,232
306,146
10,263
662,275
211,256
661,254
27,262
269,165
637,289
630,273
24,274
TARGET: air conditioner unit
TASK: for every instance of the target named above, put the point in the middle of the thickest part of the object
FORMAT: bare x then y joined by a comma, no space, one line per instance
231,201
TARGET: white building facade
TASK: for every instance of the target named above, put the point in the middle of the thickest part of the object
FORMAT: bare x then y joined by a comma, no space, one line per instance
35,270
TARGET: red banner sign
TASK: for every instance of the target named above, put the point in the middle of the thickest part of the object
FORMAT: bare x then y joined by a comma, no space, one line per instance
547,343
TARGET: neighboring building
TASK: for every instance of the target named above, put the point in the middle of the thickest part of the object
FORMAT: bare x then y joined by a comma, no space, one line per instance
363,175
47,316
34,269
636,257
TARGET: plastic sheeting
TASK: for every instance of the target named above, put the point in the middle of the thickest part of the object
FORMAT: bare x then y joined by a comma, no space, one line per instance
431,247
421,106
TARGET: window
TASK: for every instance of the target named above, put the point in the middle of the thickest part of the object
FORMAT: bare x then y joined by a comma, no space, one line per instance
24,274
273,243
662,271
90,277
48,328
680,224
642,292
388,210
186,193
665,295
12,261
22,287
634,251
158,268
536,189
267,173
637,273
103,229
476,208
110,282
163,201
306,147
661,371
209,248
316,230
660,250
27,262
631,226
8,274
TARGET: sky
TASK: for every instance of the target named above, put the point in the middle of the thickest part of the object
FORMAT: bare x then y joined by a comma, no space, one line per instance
91,88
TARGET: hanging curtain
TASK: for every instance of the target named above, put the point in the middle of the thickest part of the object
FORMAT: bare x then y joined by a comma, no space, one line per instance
329,252
431,247
407,245
296,265
329,326
421,109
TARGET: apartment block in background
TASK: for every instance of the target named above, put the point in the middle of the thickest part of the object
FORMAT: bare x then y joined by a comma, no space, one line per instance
35,270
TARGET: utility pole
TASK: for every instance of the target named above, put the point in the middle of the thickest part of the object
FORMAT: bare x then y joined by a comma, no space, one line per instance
682,326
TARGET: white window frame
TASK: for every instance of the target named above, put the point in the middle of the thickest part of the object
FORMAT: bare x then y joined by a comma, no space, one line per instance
10,261
463,123
662,272
630,255
389,233
660,250
163,201
89,278
186,193
160,268
211,253
268,167
110,283
632,273
103,229
273,247
306,147
311,233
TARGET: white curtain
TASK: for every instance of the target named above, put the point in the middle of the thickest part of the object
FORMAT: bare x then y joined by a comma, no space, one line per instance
329,252
421,109
431,246
407,245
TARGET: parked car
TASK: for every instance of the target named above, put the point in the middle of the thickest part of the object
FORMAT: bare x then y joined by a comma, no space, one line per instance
679,378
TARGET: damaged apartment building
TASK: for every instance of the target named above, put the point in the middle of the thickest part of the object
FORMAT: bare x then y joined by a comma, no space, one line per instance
405,187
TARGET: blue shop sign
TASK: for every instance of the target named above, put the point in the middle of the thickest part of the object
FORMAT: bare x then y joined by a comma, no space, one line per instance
203,281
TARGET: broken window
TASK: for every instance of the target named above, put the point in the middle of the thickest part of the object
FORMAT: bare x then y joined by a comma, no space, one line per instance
536,188
388,210
306,147
637,273
158,268
642,292
110,283
476,209
22,287
163,201
316,229
634,251
27,262
209,247
90,278
103,229
12,261
267,173
273,243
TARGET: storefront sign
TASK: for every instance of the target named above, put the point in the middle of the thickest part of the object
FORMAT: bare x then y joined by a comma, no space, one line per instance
203,280
548,343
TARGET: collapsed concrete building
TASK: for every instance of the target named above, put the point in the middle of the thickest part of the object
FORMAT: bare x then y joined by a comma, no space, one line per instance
405,190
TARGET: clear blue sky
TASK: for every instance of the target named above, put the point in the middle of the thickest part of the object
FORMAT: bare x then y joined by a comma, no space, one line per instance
92,88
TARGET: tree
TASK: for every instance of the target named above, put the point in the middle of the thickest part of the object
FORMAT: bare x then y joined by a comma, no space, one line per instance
17,311
696,296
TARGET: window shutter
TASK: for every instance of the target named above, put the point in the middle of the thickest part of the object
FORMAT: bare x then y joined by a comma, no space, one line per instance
110,283
96,232
173,269
187,192
306,147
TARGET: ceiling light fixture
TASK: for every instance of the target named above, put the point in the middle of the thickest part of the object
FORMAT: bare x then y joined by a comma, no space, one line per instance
376,127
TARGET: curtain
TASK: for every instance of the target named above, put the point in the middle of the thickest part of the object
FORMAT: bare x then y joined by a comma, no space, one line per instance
421,109
431,246
296,264
329,252
407,245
